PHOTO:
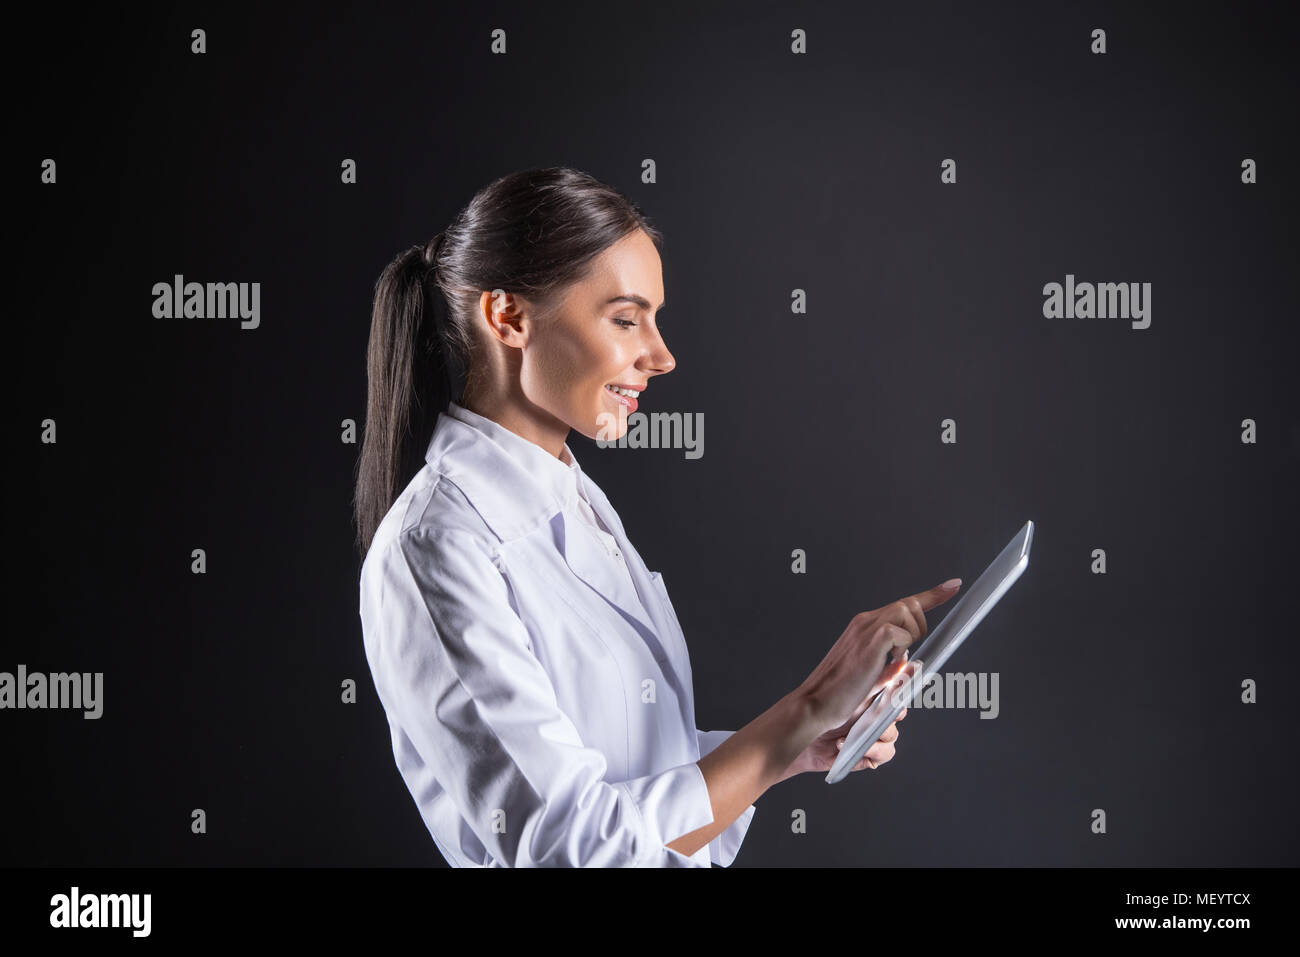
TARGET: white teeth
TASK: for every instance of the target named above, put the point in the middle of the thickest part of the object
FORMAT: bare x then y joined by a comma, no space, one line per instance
614,388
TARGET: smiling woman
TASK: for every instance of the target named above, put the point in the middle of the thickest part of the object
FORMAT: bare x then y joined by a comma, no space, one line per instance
534,675
546,365
536,680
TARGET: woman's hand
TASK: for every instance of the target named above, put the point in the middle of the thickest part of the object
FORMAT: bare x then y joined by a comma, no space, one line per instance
858,665
821,754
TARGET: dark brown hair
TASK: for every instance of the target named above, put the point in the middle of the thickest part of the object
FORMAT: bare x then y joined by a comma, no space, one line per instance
531,233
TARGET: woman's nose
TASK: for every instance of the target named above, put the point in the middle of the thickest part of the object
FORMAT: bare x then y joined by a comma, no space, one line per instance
661,360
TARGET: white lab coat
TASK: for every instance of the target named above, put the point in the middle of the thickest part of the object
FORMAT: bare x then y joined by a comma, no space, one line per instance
541,713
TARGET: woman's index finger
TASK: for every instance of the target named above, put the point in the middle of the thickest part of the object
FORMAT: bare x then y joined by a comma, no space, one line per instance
938,594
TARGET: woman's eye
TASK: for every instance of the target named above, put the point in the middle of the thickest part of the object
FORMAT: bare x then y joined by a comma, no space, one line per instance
625,323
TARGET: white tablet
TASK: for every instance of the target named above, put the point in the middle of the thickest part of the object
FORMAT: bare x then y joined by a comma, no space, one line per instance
934,651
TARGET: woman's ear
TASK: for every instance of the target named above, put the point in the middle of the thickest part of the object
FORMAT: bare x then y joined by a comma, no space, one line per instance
503,313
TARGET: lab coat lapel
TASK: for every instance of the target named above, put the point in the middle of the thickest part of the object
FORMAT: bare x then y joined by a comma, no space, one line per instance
512,505
662,618
588,560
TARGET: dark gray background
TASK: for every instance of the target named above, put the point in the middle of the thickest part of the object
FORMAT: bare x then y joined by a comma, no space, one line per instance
775,171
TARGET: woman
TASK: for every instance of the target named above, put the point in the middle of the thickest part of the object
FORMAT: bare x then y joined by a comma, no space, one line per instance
536,681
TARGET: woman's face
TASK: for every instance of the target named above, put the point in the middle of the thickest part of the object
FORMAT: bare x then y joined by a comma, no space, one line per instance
603,334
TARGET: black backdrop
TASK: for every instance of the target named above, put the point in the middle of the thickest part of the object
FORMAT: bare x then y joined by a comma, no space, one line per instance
775,171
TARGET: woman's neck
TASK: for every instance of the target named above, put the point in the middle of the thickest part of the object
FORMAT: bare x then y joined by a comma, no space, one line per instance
520,416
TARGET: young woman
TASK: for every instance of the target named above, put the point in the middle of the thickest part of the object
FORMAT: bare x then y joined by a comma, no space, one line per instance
535,677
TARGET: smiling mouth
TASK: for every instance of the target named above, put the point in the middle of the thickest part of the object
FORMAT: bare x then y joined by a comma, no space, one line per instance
623,395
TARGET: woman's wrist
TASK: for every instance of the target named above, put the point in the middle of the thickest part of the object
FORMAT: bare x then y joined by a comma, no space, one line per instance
798,717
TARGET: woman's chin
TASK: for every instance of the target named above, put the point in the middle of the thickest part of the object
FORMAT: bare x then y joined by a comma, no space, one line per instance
610,426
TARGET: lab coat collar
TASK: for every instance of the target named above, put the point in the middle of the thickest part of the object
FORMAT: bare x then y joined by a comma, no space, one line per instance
512,494
514,484
558,476
560,483
505,491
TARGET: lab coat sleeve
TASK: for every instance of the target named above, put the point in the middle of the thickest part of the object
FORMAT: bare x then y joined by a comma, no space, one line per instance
453,666
724,848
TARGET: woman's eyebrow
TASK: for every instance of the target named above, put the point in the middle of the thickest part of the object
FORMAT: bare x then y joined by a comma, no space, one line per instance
634,299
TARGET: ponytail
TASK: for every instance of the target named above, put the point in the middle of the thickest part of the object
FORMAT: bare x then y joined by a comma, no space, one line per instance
409,366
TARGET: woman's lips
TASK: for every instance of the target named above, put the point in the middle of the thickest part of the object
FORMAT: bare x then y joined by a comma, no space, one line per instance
625,400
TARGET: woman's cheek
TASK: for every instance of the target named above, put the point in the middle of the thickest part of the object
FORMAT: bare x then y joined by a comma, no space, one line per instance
547,377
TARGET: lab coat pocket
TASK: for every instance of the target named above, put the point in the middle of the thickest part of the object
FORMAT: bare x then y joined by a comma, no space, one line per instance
670,613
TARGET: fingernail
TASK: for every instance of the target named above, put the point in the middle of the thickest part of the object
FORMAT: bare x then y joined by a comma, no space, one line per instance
951,583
